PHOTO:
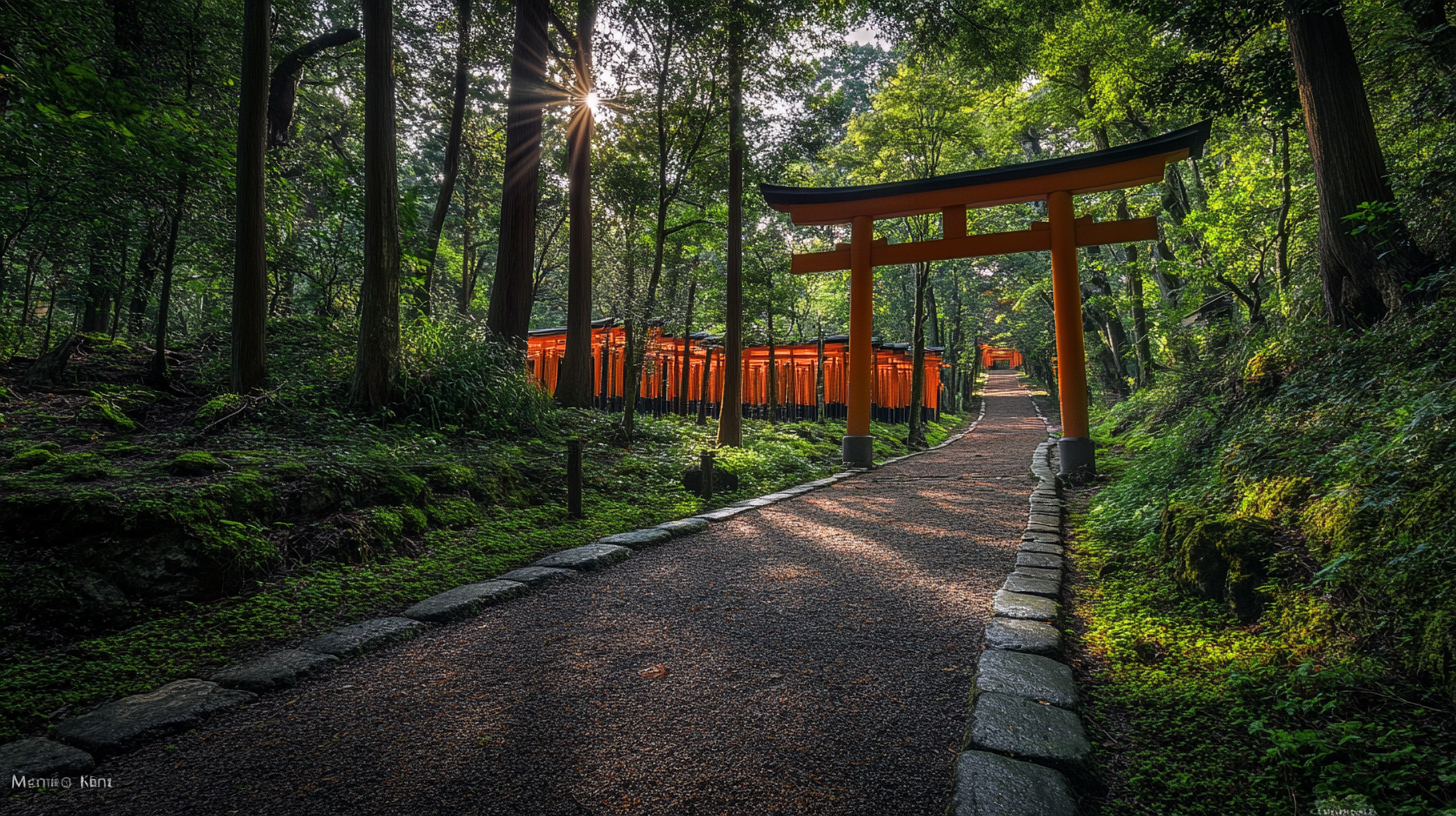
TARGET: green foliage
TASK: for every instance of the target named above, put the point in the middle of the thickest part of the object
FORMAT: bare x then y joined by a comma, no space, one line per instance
456,375
1333,453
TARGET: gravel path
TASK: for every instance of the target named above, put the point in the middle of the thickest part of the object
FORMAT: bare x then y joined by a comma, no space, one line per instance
817,653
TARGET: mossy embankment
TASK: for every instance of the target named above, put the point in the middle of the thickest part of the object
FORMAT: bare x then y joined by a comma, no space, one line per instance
153,535
1266,579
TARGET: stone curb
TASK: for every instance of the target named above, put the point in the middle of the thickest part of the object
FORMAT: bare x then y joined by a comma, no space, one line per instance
131,721
1023,739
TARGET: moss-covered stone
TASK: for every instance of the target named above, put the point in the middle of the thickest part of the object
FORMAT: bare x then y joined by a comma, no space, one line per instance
1222,558
25,460
195,463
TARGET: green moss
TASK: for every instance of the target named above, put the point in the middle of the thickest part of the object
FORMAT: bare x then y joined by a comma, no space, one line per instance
117,450
25,460
195,463
289,470
453,512
77,467
217,407
450,477
103,410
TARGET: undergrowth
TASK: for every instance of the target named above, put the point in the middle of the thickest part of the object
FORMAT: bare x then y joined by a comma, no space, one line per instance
1341,692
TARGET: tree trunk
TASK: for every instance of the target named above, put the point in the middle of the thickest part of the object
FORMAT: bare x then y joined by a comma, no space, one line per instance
146,276
469,268
1139,320
772,375
574,380
509,314
819,406
704,393
916,435
250,272
1286,202
452,155
730,416
687,357
158,372
1364,276
376,359
1141,344
283,83
631,377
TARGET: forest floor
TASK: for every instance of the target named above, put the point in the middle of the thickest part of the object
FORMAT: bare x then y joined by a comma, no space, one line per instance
810,657
1315,675
154,535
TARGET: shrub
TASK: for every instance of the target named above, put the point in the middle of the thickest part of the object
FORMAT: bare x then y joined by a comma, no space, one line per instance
455,374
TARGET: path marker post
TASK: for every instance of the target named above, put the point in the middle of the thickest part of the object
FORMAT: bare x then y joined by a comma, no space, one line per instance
705,470
573,478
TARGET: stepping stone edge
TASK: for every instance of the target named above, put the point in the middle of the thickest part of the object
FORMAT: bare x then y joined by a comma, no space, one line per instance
120,726
1023,740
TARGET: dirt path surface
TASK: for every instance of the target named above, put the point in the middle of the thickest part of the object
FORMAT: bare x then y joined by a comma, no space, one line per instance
818,656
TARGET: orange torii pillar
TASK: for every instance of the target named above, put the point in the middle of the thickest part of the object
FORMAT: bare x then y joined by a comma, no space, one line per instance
1054,181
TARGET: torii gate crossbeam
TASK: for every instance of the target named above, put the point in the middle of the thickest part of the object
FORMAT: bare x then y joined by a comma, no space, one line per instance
1054,181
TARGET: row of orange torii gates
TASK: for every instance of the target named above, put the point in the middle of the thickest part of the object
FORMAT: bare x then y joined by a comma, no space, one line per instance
797,370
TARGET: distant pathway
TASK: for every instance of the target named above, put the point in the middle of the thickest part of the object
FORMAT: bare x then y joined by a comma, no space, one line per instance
818,656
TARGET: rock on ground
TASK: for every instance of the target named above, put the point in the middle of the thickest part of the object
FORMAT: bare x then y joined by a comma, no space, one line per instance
131,721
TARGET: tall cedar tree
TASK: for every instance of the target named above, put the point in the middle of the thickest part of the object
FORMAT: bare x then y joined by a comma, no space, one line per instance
1363,276
730,416
376,361
250,273
510,294
452,154
575,378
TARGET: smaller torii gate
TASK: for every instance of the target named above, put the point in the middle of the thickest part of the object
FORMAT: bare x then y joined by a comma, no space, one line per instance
1054,181
991,354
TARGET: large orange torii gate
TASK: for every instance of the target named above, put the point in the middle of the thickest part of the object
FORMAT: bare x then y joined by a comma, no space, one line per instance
1054,181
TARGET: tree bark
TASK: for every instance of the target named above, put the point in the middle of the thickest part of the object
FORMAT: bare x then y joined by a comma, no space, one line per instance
509,314
682,386
1286,202
819,406
250,272
704,394
1363,276
283,83
916,435
730,416
772,375
146,275
574,380
376,359
451,169
158,371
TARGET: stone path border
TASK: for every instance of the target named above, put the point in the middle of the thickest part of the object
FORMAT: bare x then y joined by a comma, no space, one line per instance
1025,751
76,743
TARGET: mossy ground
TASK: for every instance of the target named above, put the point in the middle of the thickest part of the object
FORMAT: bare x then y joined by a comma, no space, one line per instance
1341,691
171,548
